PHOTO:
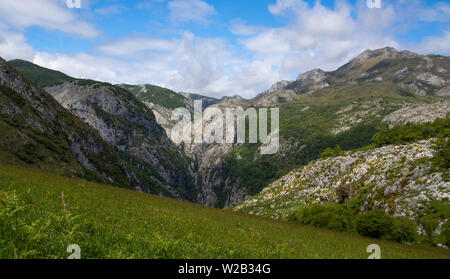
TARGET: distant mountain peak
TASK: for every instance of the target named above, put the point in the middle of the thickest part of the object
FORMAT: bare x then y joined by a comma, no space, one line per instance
42,76
234,97
386,53
278,86
419,74
315,75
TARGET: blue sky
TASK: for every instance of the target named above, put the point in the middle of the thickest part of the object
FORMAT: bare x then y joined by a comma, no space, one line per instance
213,47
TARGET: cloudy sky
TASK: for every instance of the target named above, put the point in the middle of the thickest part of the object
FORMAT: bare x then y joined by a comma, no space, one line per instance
213,47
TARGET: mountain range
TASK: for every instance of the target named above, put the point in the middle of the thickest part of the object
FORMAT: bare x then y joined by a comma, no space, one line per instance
119,134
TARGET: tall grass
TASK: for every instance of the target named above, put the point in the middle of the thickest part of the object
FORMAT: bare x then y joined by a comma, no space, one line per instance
109,222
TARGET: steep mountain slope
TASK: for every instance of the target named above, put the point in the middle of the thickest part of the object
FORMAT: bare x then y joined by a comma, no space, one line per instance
212,187
124,119
38,132
401,178
161,101
348,115
154,163
398,179
130,127
400,183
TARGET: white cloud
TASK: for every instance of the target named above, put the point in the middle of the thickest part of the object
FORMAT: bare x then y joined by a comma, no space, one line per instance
187,63
283,7
81,65
434,44
439,12
129,47
317,36
190,10
376,19
49,14
238,27
148,4
13,45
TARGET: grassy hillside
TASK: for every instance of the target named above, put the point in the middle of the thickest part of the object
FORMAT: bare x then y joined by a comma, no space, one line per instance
42,76
109,222
157,95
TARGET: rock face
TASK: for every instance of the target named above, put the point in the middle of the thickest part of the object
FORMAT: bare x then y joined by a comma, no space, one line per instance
215,188
397,179
211,186
140,133
278,86
231,101
206,165
156,164
309,81
403,112
272,98
37,131
418,113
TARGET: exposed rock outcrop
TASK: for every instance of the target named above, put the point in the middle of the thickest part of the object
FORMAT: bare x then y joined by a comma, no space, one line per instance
39,132
397,178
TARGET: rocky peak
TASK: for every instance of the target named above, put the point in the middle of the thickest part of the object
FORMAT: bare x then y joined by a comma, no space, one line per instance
387,52
206,101
278,86
236,99
383,53
316,75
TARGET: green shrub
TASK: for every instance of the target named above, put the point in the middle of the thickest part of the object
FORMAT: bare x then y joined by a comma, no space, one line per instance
403,230
411,132
343,217
446,234
442,156
329,215
429,225
330,152
374,224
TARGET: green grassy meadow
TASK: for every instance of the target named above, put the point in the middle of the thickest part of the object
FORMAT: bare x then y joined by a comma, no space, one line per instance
111,222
